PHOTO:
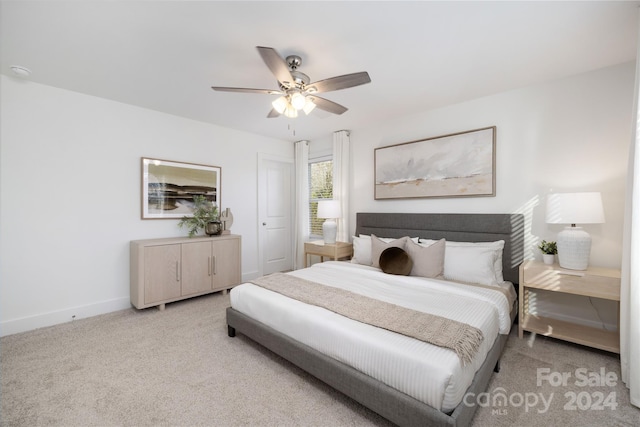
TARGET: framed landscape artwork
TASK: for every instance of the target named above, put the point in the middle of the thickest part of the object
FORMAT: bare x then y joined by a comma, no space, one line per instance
457,165
168,188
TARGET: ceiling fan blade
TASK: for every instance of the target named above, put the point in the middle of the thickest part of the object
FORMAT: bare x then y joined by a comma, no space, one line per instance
273,113
246,90
276,64
341,82
326,105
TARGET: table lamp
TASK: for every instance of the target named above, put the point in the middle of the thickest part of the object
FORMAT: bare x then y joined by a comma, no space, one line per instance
574,244
329,209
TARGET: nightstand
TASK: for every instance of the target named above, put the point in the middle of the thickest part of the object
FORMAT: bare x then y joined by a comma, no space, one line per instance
334,251
593,282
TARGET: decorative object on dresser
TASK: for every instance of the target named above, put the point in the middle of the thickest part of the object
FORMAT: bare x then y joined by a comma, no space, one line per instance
594,282
205,215
329,209
335,251
213,228
226,217
172,269
574,243
169,188
456,165
549,251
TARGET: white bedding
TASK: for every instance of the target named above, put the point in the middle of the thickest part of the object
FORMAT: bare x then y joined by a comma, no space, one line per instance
430,374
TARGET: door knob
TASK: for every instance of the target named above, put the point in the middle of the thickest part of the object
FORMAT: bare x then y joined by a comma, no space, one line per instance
264,223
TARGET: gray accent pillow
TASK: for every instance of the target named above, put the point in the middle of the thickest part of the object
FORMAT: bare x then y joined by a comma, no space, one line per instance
428,261
377,246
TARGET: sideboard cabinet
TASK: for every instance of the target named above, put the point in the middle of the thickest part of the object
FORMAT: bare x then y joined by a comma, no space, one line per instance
171,269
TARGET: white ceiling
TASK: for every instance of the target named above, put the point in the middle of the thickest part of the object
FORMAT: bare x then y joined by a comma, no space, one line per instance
165,55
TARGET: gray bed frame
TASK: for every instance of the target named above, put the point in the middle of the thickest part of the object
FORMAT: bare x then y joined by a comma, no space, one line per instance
393,405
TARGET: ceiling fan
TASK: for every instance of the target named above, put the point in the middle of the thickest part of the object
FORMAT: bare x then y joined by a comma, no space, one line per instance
296,92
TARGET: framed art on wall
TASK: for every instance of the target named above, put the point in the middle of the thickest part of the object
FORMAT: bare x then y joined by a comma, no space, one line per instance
168,187
456,165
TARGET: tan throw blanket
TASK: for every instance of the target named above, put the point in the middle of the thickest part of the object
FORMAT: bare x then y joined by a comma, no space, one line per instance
457,336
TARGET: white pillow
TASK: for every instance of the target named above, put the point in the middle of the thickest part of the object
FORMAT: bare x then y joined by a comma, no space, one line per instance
475,262
362,249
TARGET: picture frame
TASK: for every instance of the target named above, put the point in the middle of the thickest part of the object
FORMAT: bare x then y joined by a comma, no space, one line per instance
168,187
461,164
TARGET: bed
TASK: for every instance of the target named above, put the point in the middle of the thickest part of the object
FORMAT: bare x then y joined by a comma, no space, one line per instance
333,351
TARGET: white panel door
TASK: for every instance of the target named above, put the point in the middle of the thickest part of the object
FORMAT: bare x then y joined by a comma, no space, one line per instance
275,207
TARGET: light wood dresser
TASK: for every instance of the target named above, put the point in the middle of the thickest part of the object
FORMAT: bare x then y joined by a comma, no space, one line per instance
172,269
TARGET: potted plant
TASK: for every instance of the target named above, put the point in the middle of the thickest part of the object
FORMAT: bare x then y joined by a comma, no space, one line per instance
549,250
204,213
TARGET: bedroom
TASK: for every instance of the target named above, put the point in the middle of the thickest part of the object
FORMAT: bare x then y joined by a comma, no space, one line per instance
51,134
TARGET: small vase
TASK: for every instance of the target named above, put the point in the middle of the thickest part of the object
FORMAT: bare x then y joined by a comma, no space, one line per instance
213,228
548,258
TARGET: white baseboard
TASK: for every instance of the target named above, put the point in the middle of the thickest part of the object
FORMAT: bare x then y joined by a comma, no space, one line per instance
15,326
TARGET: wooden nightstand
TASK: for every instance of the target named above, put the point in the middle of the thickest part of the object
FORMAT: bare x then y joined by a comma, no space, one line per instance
335,251
594,282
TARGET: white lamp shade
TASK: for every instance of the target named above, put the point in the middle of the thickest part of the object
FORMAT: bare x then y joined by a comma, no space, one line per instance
290,112
297,101
329,209
308,105
280,104
574,244
574,208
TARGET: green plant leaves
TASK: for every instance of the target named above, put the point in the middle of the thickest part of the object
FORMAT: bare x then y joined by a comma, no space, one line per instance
204,212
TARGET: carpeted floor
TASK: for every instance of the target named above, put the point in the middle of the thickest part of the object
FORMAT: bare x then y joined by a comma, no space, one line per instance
178,368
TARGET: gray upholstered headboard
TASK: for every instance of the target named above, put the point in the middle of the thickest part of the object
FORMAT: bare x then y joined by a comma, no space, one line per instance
454,227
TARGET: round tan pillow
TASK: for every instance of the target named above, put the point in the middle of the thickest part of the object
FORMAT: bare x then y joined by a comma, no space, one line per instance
395,260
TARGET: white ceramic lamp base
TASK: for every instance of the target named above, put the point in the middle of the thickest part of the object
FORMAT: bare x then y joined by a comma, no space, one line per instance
329,230
574,248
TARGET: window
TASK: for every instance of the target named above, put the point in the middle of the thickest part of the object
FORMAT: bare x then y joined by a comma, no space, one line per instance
320,188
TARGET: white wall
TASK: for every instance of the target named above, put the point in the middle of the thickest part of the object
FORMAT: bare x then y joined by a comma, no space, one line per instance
70,196
563,136
70,180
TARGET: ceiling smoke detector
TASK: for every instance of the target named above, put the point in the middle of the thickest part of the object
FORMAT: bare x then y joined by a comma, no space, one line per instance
20,70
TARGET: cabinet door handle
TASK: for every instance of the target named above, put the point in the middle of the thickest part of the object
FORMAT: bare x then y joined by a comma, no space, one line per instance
209,265
215,265
177,271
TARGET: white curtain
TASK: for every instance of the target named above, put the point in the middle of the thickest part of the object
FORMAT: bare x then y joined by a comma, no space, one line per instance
341,168
301,226
630,289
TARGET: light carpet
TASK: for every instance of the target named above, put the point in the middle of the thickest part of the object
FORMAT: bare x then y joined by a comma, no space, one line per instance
178,368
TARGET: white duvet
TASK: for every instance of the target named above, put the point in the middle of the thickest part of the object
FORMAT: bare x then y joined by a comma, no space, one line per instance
430,374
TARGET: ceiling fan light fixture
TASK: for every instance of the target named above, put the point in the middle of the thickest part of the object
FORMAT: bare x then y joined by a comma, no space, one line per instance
308,105
298,101
280,104
291,112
